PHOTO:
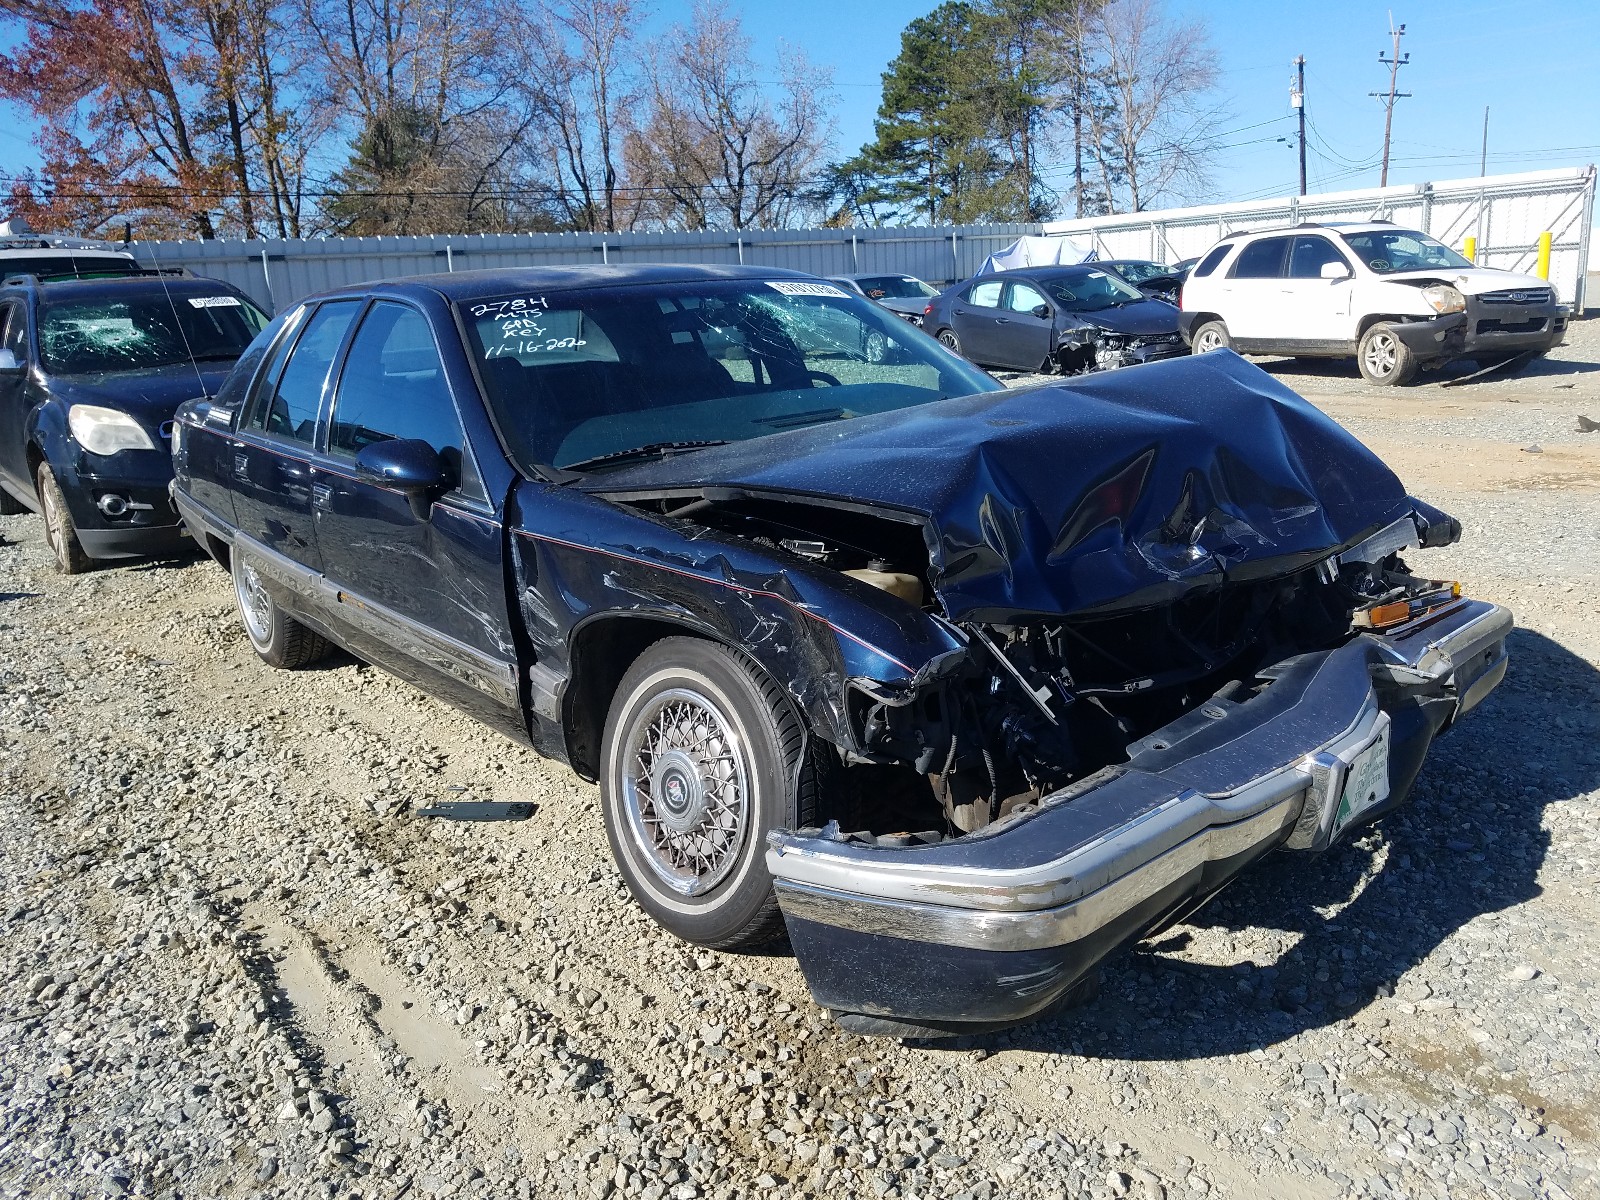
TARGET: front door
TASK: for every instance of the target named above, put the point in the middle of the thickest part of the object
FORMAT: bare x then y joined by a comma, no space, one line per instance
1024,337
417,586
1313,311
1252,292
273,446
14,398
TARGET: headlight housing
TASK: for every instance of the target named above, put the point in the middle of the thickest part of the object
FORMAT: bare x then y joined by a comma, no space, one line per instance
105,430
1443,298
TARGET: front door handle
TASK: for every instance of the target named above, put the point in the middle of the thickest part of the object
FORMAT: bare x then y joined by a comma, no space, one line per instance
321,494
1002,320
241,465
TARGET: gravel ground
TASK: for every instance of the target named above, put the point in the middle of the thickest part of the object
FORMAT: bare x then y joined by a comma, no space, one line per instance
236,962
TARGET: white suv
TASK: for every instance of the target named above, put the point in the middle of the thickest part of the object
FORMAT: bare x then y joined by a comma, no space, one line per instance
1396,299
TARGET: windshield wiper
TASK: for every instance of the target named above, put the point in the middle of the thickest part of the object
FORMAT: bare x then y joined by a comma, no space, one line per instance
658,449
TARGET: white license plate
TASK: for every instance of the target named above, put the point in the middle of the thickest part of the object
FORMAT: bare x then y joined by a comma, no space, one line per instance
1366,783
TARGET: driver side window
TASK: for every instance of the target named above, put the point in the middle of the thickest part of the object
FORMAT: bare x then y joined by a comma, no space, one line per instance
15,336
1024,299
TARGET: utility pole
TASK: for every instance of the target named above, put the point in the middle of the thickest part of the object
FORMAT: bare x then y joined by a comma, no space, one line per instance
1483,158
1394,64
1297,101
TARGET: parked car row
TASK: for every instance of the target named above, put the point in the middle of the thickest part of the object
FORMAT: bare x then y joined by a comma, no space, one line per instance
962,687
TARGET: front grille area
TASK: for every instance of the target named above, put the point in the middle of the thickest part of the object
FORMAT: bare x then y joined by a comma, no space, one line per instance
1536,325
1541,295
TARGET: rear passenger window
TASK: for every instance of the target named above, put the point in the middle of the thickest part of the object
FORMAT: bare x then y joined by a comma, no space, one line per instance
1210,262
393,386
1261,260
288,405
14,331
986,295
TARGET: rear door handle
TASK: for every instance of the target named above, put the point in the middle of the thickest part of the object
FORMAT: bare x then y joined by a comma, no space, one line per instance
1002,320
241,465
321,494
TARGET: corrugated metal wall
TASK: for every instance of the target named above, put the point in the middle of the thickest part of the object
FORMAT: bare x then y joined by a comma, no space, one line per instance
277,272
1505,213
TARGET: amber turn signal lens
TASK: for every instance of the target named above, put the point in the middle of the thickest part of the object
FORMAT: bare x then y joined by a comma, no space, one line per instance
1385,615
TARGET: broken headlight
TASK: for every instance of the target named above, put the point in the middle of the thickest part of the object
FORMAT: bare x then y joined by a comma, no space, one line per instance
1443,298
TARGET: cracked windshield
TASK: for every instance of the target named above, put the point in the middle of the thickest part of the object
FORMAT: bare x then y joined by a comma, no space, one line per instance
604,377
83,337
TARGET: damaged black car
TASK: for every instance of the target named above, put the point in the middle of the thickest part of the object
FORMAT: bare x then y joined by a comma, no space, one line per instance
963,687
1055,320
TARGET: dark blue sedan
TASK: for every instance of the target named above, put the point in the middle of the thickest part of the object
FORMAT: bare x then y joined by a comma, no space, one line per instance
91,371
963,687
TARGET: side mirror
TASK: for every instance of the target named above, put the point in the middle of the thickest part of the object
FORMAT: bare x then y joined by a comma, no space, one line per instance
1041,311
406,465
8,361
1335,270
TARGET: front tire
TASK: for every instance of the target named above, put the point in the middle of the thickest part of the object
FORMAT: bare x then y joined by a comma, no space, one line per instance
59,531
1384,358
278,638
701,759
1213,335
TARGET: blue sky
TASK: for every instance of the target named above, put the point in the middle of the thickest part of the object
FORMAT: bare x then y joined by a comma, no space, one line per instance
1532,65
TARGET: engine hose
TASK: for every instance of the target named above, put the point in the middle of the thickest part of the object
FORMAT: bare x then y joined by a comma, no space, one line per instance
994,785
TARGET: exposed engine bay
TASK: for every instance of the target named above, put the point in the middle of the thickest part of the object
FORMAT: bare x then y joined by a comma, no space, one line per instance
1026,708
1086,348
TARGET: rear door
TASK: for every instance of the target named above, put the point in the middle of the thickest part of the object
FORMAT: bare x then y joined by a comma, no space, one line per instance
1252,292
274,444
1025,338
975,316
421,592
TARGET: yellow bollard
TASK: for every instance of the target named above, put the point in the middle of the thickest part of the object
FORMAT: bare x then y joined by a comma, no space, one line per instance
1543,269
1469,250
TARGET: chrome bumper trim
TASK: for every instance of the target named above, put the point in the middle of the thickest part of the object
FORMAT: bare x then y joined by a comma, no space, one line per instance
979,929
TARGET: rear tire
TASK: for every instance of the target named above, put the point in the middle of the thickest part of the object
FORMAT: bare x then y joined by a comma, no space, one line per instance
949,340
1384,359
59,531
1213,335
701,758
278,638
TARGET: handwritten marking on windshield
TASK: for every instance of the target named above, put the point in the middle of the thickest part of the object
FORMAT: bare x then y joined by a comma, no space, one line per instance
509,307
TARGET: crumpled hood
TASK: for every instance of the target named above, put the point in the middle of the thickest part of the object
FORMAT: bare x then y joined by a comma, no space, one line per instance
1475,281
1119,490
1142,319
152,396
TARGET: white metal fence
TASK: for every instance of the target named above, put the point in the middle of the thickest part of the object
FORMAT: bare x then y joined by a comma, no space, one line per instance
278,272
1505,213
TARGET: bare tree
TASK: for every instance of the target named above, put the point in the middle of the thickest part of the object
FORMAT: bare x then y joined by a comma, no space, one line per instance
579,85
1152,132
715,149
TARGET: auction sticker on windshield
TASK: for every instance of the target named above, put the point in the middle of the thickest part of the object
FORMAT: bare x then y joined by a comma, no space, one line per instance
214,301
1366,783
808,289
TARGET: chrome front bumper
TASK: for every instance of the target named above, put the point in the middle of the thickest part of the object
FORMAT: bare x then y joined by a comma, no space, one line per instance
994,927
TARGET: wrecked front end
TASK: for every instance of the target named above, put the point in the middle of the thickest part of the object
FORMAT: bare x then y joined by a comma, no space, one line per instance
930,935
1168,624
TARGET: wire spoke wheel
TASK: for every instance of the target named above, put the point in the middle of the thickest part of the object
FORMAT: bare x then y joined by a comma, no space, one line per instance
686,790
255,606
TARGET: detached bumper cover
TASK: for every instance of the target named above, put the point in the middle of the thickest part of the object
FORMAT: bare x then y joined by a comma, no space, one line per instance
1486,328
994,928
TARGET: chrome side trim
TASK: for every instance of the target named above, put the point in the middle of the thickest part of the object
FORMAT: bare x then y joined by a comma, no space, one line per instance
440,651
1045,928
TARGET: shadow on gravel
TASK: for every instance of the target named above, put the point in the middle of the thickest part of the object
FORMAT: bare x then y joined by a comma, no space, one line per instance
1468,842
1292,370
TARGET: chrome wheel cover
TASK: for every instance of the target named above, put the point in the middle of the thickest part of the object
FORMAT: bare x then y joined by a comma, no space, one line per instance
1209,339
685,790
877,345
948,341
1380,354
255,606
